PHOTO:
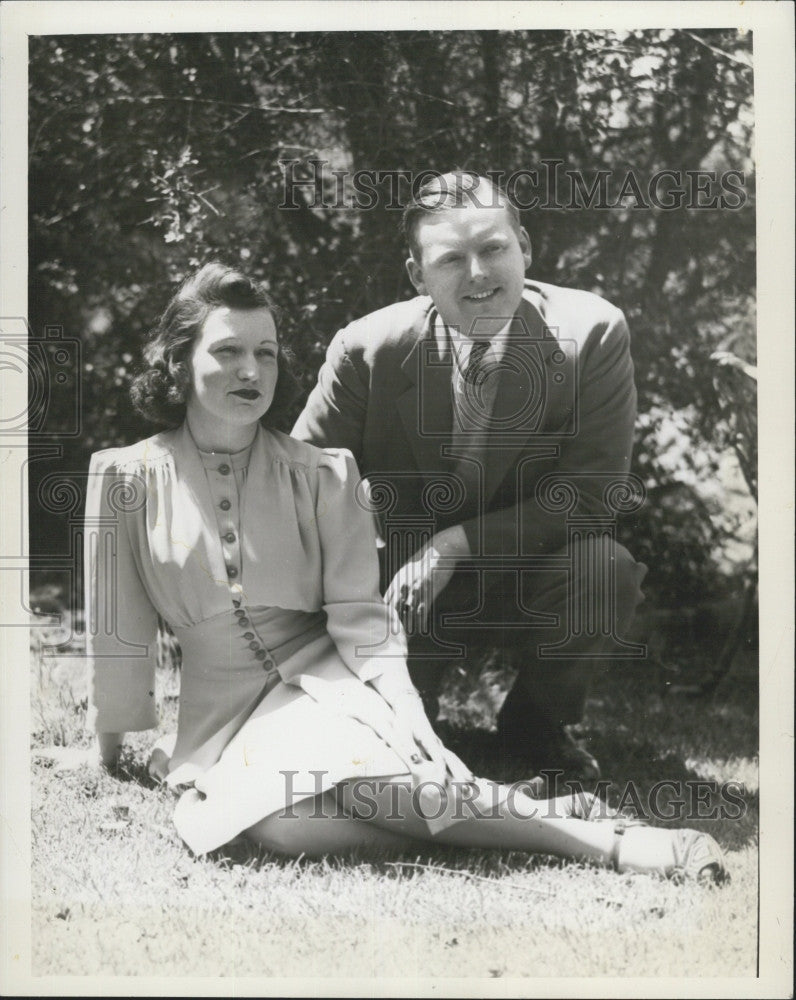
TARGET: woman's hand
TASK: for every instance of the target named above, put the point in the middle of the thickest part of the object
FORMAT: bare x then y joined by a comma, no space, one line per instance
69,758
158,766
160,757
104,752
412,719
110,745
439,764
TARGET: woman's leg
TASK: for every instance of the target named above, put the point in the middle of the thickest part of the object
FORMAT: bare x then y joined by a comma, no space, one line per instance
336,823
381,814
318,825
553,826
519,823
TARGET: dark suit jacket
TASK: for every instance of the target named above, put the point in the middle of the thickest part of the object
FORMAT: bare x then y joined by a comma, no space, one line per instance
565,408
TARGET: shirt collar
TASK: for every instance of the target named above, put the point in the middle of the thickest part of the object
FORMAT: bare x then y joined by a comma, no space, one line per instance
461,345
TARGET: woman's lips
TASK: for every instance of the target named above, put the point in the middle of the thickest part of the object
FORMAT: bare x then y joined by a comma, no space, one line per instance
250,394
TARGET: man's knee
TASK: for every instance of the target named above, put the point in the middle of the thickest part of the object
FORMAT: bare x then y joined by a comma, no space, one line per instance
592,578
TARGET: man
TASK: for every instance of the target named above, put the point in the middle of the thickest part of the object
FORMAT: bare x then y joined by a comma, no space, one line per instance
492,417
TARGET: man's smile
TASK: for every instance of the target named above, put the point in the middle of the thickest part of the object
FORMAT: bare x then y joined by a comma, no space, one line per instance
481,296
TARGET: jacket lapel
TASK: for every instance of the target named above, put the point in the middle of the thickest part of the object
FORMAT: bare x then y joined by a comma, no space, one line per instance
528,402
425,407
532,410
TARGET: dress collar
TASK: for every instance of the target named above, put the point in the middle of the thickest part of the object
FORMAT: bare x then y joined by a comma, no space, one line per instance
238,460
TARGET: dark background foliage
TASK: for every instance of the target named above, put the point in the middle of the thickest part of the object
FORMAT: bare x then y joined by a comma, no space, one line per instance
150,154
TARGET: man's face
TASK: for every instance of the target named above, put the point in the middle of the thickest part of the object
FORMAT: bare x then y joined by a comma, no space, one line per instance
472,264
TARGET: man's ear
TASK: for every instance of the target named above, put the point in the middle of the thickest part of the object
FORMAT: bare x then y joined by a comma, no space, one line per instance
525,246
415,272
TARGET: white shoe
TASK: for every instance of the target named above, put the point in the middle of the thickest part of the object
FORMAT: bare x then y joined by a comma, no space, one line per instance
691,855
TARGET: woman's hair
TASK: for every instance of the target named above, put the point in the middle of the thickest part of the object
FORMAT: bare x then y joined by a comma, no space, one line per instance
160,391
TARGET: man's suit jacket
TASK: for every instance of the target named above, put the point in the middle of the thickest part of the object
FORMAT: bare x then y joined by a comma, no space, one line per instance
565,408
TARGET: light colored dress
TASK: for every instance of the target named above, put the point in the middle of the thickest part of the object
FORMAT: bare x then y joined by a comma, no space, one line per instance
264,564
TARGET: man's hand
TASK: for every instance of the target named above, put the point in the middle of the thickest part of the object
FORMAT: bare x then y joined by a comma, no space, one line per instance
418,583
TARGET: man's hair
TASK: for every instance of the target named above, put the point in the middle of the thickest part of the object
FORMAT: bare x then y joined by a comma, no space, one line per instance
160,391
455,189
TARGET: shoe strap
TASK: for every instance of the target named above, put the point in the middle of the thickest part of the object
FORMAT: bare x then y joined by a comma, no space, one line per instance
621,824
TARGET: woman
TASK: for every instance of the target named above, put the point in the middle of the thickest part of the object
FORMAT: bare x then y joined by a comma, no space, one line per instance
298,723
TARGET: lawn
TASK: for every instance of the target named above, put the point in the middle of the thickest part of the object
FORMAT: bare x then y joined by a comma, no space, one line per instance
116,893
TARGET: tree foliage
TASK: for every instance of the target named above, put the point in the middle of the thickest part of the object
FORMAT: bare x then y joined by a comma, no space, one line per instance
150,154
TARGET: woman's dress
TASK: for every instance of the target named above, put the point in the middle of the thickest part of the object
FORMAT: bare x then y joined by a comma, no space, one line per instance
264,564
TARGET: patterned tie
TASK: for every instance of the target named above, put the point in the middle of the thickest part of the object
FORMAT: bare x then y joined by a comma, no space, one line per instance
473,371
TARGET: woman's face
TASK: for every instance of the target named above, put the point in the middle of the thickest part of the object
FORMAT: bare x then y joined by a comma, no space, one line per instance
233,367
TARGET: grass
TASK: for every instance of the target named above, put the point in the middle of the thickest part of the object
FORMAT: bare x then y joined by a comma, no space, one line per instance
116,893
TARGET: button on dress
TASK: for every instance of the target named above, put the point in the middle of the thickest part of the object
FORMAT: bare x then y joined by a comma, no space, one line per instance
264,565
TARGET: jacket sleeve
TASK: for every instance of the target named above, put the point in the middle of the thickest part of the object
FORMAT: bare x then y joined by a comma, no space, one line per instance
601,447
365,630
334,414
121,623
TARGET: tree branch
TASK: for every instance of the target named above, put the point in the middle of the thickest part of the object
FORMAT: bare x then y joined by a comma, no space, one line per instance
276,109
719,52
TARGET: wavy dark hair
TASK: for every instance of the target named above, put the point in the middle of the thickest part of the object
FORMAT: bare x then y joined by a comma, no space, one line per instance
159,392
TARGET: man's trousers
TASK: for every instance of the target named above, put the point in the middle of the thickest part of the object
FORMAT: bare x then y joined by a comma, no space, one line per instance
558,619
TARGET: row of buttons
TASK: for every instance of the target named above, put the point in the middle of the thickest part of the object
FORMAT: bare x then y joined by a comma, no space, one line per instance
232,571
259,652
227,525
229,537
229,531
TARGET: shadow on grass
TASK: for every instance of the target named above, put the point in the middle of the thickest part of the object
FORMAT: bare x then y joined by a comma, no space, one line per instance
671,760
415,860
133,769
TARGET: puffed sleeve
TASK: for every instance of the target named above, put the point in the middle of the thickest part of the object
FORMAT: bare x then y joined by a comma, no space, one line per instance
365,630
121,623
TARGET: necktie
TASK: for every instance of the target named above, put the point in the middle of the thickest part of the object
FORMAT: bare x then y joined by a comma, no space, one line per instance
473,369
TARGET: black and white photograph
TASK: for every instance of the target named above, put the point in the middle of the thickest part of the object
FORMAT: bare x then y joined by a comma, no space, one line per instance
397,449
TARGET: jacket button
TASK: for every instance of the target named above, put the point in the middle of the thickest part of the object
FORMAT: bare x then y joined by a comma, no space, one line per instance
230,536
260,654
254,645
224,469
240,612
225,505
232,572
243,622
248,635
